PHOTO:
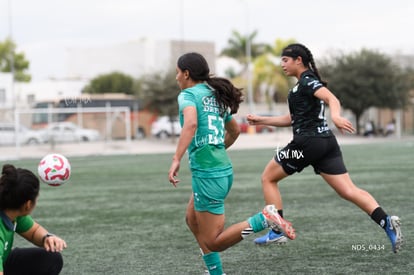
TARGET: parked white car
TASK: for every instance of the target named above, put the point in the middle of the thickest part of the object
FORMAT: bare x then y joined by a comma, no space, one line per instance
69,132
24,135
164,128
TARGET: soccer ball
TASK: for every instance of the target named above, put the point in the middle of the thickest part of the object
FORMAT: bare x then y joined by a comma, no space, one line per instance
54,169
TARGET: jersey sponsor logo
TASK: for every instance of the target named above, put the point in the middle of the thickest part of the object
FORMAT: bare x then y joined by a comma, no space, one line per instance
211,105
295,89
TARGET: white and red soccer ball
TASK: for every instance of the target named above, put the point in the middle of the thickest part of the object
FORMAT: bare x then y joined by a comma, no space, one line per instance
54,169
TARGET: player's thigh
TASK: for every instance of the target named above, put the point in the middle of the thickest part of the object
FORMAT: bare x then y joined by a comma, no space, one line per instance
273,172
210,225
190,216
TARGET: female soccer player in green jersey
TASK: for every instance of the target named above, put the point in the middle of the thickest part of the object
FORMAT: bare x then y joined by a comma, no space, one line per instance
206,105
19,189
314,144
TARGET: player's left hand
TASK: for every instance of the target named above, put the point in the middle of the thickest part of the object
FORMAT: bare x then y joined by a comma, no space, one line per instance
54,244
343,125
173,173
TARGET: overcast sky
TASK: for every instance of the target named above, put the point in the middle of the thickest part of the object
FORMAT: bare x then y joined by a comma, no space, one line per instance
44,29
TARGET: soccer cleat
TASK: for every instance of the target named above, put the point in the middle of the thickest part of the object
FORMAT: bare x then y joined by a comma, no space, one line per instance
393,230
271,238
275,221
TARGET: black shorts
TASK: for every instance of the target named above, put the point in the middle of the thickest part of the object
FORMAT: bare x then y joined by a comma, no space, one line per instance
33,260
323,153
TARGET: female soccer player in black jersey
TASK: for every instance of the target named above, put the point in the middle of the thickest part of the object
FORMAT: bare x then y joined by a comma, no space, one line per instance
314,144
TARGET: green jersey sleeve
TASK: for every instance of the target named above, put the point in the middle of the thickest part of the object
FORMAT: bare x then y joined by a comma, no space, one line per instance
24,223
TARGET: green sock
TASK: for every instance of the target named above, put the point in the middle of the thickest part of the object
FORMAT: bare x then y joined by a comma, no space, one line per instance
213,263
257,222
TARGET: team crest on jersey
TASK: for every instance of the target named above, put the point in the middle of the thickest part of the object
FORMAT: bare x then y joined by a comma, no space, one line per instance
295,89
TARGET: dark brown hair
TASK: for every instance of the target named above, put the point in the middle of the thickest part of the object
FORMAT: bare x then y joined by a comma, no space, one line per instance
295,50
17,186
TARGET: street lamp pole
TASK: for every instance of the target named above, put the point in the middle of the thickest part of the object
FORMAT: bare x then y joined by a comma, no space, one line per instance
248,63
12,69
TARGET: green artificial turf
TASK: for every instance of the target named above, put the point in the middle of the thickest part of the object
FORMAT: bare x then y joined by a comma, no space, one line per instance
120,215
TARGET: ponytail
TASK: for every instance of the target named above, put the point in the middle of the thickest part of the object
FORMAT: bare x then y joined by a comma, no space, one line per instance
227,95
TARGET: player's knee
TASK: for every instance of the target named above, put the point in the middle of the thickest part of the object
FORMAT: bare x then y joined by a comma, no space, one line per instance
190,221
55,262
214,246
347,194
265,179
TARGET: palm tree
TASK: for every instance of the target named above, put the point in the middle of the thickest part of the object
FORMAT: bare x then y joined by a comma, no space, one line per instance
237,45
244,50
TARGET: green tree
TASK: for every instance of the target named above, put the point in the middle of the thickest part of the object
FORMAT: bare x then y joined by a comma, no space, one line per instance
159,93
9,58
114,82
366,79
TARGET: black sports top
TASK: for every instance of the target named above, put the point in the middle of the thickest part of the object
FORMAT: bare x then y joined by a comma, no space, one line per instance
307,111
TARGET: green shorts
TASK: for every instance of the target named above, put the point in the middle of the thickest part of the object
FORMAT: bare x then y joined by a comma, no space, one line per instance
210,193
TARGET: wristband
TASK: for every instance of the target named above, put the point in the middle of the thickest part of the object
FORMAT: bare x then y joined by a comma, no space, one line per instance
46,236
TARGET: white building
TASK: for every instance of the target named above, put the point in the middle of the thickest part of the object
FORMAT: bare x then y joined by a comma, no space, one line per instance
134,58
29,93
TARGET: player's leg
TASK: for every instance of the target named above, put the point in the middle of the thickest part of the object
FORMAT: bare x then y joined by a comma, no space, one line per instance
208,220
271,176
213,239
213,236
216,238
191,221
33,261
345,188
211,259
190,217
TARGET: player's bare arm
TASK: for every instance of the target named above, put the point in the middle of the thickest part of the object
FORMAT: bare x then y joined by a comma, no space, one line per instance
232,132
332,101
39,236
277,121
187,134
